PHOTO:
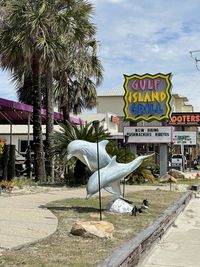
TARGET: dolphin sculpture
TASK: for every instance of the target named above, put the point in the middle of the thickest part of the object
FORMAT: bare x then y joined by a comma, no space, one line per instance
111,175
87,153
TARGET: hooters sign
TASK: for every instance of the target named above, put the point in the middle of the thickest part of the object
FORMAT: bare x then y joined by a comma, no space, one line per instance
185,118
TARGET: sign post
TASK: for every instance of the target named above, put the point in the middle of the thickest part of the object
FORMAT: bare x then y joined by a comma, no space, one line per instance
147,97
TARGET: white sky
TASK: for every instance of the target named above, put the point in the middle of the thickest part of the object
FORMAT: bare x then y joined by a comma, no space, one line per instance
139,36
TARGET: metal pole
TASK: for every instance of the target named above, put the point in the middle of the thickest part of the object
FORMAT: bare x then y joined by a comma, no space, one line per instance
96,127
29,121
99,181
190,157
124,178
171,154
126,142
182,153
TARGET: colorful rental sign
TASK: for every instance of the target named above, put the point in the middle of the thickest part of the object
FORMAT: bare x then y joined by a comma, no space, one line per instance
184,138
145,135
147,97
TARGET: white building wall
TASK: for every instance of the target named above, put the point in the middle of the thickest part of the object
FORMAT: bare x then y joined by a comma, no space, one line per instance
19,132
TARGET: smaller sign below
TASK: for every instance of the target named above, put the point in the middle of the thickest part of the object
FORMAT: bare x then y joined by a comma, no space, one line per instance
184,138
145,135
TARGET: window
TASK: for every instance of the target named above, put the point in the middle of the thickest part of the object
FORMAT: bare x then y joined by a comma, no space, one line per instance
23,144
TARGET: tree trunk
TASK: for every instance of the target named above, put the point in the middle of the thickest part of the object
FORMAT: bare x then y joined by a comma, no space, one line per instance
64,105
11,163
39,162
79,173
65,113
5,159
49,121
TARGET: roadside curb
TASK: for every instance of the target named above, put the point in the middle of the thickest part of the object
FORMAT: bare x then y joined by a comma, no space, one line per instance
135,250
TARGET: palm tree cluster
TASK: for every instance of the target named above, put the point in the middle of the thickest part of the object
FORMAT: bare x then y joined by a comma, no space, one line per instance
67,133
50,48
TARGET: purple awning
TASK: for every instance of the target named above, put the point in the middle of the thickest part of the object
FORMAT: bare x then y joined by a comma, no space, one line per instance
12,112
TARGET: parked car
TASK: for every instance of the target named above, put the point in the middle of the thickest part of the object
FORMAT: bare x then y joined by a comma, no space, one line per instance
196,162
178,160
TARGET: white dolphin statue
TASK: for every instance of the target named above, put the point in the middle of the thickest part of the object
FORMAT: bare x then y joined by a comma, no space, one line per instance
111,175
87,153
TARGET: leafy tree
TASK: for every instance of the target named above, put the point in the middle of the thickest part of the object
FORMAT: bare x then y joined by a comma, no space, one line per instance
123,156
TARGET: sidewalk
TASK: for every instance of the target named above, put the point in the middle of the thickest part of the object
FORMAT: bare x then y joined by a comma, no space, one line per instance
180,247
24,218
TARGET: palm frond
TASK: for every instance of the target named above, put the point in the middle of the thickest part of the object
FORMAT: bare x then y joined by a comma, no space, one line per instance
69,132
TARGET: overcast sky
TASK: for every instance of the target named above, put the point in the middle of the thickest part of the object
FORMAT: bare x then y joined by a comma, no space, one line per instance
139,36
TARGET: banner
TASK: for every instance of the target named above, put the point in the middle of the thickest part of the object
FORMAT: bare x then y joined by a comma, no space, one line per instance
148,134
184,138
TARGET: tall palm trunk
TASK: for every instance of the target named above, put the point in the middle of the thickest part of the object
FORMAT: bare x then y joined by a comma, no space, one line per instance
39,162
65,111
49,121
65,106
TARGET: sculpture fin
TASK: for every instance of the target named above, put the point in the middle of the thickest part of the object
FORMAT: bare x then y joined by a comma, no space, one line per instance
146,156
87,162
116,187
103,143
112,162
109,190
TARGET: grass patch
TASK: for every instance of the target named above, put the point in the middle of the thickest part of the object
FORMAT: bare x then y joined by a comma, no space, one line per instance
188,182
63,250
23,182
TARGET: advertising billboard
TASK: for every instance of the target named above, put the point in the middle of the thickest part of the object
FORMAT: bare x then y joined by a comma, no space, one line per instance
184,138
185,119
147,97
145,135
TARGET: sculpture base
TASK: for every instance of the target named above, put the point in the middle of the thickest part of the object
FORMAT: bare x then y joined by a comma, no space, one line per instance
120,206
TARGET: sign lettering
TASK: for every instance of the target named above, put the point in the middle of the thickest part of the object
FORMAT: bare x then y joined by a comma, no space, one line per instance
147,97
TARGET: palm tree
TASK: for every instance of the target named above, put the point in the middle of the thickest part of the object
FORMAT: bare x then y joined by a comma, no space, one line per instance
142,173
32,35
122,155
69,132
76,84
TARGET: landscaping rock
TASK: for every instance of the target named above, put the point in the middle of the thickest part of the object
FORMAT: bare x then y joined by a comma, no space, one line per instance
120,206
167,178
93,228
176,174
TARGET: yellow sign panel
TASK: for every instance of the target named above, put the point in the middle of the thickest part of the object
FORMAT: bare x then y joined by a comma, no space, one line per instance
147,97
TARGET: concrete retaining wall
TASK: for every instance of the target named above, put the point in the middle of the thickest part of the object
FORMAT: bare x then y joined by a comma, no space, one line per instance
134,251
